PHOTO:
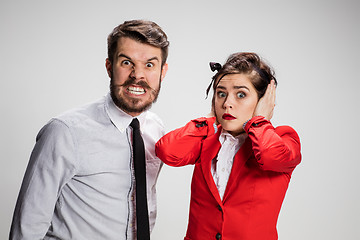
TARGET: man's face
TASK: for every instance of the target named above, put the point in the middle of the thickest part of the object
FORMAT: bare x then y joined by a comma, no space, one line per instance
136,75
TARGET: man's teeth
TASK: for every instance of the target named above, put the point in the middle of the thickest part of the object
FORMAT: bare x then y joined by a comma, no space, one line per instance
136,90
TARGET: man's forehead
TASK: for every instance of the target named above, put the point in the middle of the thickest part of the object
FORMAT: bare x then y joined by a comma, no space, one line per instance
136,50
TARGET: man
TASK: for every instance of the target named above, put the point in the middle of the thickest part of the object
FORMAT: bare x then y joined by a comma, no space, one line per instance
80,181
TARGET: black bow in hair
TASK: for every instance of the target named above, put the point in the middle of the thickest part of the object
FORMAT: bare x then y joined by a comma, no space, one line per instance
215,66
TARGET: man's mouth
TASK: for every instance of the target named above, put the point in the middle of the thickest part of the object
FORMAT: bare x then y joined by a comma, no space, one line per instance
227,116
136,90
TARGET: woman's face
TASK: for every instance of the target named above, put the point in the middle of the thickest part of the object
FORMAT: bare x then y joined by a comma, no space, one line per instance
235,102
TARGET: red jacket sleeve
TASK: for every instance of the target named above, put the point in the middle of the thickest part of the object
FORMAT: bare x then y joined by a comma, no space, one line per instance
183,145
275,149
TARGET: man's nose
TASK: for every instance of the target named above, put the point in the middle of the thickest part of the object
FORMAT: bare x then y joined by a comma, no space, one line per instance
137,73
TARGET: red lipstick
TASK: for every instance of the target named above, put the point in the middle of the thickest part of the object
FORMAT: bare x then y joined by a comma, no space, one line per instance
227,116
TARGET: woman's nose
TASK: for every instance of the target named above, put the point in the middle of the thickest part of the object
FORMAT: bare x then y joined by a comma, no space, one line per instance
228,103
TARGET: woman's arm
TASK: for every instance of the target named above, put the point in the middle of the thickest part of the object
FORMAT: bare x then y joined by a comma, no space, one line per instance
183,145
275,149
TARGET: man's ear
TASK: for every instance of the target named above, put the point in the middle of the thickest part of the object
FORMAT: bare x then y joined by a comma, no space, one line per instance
164,71
108,67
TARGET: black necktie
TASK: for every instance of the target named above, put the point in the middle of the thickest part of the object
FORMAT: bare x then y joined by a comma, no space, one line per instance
142,216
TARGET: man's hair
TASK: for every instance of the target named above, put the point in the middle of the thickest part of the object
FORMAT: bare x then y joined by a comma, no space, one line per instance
143,31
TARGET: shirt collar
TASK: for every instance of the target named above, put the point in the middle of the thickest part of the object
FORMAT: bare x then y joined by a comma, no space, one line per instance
226,136
119,118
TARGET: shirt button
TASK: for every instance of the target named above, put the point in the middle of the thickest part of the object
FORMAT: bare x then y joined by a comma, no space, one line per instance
218,236
223,169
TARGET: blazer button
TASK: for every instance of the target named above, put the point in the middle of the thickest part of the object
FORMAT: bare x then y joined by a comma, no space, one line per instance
218,236
219,207
198,125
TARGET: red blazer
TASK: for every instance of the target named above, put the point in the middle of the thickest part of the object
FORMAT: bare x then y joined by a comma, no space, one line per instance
257,184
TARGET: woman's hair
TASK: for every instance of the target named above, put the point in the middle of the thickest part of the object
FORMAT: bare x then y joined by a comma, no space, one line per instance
248,63
142,31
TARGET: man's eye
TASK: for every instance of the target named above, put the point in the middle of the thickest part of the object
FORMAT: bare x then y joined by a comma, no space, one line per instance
221,94
241,95
126,62
149,65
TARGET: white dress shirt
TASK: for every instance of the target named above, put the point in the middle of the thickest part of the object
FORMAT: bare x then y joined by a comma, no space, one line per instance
222,165
80,183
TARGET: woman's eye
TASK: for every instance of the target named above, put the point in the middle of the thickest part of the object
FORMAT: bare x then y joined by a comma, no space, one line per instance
221,94
149,65
241,95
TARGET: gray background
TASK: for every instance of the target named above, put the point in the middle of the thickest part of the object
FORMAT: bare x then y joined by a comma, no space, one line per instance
52,57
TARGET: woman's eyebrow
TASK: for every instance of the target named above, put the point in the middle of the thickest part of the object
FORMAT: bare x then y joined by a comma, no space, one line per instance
235,87
242,86
221,87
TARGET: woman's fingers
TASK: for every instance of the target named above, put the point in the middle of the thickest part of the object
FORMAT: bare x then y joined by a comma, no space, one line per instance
265,106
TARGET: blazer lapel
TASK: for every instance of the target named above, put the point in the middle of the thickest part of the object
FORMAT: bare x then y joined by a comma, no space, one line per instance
209,151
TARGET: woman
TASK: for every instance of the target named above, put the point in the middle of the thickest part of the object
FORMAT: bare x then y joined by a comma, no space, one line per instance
243,165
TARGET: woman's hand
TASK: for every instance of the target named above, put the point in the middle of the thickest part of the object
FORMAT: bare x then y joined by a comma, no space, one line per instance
266,104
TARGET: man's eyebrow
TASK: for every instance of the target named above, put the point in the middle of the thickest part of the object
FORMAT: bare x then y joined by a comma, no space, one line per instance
153,58
150,59
124,56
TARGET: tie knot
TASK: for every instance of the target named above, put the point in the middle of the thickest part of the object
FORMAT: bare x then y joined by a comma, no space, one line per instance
135,123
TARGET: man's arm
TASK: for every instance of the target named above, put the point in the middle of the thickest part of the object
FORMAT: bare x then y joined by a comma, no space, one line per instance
51,165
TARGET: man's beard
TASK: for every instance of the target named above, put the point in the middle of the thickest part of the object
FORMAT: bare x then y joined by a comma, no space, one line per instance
132,107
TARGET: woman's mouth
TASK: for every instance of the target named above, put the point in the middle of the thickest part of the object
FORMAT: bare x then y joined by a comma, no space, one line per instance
227,116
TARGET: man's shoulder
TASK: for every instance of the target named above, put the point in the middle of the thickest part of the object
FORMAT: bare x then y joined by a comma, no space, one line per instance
77,122
80,115
153,119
